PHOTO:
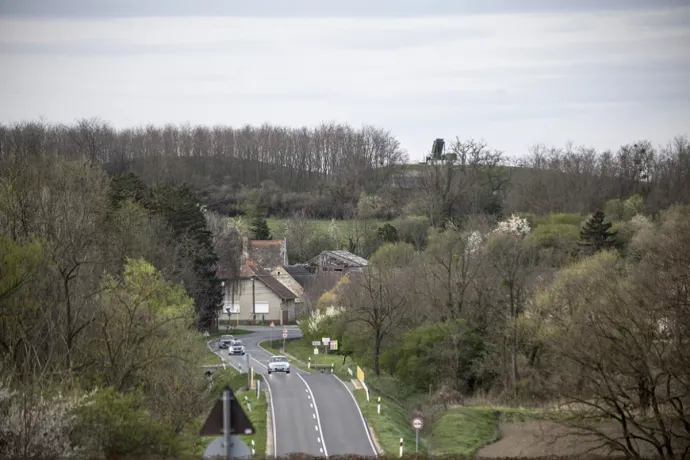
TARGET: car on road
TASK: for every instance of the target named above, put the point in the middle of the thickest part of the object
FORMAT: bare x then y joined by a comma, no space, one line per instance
279,364
225,341
236,348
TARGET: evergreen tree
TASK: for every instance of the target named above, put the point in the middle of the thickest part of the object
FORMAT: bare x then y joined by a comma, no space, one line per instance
194,242
597,234
387,233
259,228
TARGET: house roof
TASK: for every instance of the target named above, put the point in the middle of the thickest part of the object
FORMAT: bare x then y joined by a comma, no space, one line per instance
314,284
266,254
272,283
342,256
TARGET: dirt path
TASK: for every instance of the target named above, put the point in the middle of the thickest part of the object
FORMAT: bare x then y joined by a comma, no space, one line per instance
540,439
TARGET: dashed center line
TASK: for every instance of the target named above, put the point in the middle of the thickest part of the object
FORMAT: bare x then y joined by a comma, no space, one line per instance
316,427
313,415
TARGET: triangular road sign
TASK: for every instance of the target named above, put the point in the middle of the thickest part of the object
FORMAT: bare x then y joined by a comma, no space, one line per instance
239,422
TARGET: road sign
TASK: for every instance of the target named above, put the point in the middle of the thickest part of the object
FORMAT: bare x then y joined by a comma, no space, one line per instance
240,423
316,351
417,423
238,448
315,343
285,331
326,340
285,335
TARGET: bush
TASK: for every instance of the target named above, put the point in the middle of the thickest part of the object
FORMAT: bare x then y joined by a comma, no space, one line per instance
34,426
116,424
413,230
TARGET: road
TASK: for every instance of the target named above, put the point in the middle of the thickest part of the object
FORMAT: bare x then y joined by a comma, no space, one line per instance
314,414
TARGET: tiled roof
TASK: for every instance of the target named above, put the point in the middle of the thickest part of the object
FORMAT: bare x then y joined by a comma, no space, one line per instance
266,254
271,282
314,284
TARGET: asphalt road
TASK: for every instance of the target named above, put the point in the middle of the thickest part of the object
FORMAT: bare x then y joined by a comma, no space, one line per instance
314,414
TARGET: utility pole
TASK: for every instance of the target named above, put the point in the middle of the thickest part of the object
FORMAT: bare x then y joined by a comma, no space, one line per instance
253,301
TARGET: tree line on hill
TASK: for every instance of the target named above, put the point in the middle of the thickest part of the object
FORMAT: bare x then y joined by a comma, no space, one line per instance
326,170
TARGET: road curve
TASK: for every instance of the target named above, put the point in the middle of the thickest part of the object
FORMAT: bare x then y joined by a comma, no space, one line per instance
295,413
314,414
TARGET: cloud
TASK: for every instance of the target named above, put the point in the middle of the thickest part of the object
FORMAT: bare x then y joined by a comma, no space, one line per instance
605,78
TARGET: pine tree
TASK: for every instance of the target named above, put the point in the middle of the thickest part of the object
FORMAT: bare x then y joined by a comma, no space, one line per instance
597,234
259,228
183,213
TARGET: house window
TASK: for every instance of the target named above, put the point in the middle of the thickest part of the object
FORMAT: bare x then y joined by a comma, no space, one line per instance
261,307
234,307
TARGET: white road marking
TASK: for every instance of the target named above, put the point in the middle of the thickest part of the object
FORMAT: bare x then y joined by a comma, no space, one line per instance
318,419
364,422
316,427
319,440
311,405
273,417
313,415
321,450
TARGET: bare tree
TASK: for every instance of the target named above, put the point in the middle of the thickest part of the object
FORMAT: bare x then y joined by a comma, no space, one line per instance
377,301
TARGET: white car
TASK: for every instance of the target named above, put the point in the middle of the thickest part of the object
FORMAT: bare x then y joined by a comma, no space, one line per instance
225,341
236,348
279,364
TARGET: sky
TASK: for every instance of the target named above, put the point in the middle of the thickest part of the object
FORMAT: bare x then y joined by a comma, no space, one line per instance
513,73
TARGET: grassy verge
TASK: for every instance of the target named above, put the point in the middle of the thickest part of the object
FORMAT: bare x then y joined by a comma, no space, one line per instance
465,430
392,424
234,330
302,351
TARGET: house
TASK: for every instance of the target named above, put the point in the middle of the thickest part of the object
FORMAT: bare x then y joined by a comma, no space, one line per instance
338,261
260,292
313,285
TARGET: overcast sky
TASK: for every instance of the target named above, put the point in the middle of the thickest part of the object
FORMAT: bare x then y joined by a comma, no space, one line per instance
550,71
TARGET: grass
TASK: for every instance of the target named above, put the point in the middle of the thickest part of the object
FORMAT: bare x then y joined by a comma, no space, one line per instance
393,423
464,431
234,330
303,351
238,383
344,227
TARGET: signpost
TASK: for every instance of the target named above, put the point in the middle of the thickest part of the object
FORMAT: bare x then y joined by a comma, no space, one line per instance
315,343
325,341
220,421
417,424
271,334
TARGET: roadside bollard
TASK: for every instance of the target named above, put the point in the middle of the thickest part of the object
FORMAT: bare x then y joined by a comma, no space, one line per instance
332,368
401,442
378,406
258,389
253,448
309,364
249,405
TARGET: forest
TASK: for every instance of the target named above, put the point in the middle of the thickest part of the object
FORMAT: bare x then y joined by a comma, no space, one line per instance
556,278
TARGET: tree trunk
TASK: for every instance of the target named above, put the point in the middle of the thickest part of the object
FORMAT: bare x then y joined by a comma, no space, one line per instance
377,353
